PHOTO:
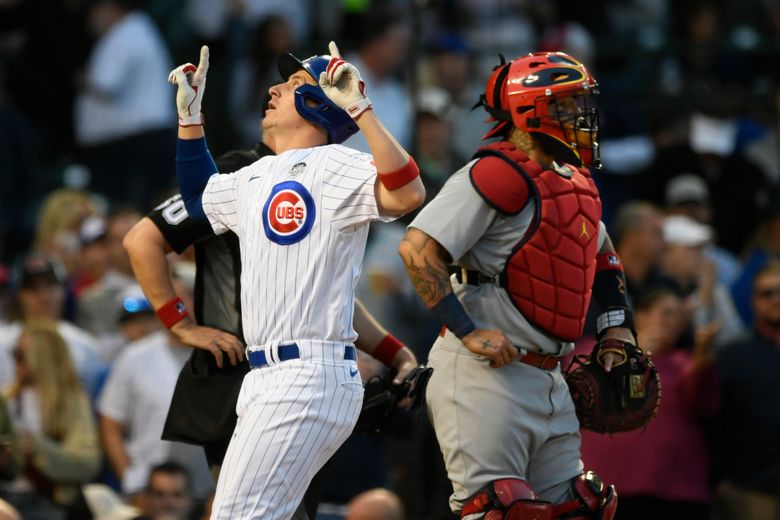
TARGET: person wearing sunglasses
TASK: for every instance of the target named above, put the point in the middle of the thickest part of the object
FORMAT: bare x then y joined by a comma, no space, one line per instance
747,451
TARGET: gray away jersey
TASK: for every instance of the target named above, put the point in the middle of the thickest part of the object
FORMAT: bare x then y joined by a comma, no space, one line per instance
480,238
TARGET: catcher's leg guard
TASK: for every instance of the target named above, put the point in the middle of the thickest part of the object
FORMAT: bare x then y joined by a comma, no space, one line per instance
507,499
592,500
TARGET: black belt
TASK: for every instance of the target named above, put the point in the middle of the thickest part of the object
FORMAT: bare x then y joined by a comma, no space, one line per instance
287,352
471,277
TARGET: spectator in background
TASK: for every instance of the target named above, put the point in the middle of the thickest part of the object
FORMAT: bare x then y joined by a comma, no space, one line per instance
10,456
59,225
54,422
254,72
639,240
433,150
382,50
40,294
124,116
375,504
747,452
116,276
662,470
738,189
765,246
452,69
93,260
689,196
168,493
693,277
134,403
8,512
763,150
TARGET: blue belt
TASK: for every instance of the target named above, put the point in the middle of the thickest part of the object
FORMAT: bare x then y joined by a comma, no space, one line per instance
289,351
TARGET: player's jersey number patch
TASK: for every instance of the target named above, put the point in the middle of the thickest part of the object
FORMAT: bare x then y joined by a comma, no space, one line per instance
288,214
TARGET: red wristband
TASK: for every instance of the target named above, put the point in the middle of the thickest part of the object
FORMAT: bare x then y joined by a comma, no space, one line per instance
387,349
399,178
172,312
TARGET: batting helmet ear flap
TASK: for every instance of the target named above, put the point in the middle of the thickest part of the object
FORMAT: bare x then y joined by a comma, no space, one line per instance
322,112
311,102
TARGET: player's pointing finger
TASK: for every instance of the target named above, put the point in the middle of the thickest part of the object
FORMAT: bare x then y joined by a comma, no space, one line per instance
334,50
203,64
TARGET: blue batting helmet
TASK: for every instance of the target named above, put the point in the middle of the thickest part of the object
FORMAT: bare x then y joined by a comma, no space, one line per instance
322,112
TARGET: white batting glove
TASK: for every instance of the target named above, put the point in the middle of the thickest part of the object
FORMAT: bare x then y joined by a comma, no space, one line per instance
191,83
343,85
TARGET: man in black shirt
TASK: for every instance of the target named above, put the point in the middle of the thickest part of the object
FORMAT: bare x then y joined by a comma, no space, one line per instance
747,459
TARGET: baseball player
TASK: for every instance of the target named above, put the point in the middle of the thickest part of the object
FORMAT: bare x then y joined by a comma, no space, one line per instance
521,225
202,410
301,218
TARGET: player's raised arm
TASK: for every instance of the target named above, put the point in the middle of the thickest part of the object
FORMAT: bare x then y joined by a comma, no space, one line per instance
399,188
194,164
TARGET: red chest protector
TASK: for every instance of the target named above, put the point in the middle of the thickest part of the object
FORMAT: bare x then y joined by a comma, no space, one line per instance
549,274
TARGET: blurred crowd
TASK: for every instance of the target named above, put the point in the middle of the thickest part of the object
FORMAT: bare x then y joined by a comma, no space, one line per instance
689,134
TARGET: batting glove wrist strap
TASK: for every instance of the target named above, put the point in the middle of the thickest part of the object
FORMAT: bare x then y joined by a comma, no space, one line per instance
452,315
357,108
387,349
172,312
196,120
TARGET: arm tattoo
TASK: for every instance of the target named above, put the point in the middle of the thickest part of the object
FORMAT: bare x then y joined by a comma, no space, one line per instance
428,272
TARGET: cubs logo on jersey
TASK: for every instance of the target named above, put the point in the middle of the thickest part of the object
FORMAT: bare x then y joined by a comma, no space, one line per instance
288,214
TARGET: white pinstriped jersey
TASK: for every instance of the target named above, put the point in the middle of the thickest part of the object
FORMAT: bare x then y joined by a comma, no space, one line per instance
302,220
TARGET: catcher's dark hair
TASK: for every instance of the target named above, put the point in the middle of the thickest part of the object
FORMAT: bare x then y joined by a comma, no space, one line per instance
771,267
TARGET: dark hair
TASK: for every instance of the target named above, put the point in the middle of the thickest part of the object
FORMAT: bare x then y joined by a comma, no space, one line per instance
771,267
630,216
377,21
646,300
171,467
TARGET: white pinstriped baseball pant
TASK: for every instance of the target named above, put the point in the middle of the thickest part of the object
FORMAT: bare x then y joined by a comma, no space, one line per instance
292,417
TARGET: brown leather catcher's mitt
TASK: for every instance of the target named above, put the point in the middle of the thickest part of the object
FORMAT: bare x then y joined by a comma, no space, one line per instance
621,400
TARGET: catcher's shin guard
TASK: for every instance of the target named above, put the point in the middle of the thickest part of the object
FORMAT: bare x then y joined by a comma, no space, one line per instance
514,499
592,499
508,498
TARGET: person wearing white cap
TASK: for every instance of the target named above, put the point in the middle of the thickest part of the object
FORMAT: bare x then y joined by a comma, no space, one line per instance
688,195
694,276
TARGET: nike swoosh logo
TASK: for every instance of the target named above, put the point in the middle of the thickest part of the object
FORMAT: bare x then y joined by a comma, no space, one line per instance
352,372
253,178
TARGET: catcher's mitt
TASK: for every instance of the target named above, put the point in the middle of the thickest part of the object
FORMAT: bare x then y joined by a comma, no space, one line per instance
621,400
381,397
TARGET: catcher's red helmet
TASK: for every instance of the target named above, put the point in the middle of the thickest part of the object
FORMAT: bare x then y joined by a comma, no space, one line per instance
546,94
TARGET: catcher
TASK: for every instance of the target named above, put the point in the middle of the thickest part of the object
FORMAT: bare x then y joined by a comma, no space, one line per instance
507,257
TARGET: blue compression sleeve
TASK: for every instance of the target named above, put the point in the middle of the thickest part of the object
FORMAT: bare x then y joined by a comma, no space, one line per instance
194,166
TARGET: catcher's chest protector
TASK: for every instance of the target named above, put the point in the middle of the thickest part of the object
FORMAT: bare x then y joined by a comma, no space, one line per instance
549,274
